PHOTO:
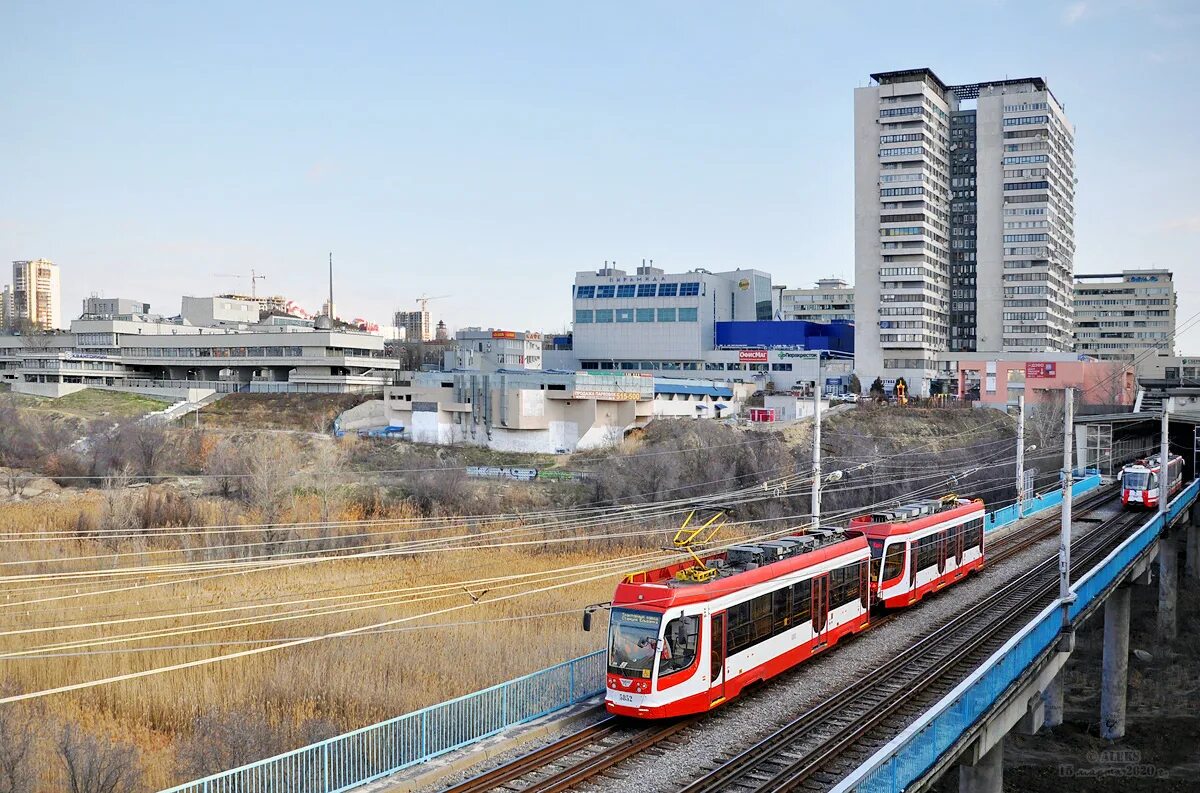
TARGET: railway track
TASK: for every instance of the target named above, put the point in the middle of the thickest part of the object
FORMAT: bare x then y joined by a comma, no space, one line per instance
818,748
593,750
574,758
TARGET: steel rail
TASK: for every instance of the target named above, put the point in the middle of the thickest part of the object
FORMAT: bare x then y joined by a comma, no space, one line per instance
643,737
740,768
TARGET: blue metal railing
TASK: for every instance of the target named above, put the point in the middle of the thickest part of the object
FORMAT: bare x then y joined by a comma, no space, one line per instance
1087,480
910,754
358,757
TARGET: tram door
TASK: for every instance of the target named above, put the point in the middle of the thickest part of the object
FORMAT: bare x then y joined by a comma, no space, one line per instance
820,606
942,542
717,659
959,532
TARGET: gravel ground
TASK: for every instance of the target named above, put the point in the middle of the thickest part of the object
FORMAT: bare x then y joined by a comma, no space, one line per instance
738,724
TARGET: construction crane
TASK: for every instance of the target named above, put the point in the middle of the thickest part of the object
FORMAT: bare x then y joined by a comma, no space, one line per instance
254,279
423,300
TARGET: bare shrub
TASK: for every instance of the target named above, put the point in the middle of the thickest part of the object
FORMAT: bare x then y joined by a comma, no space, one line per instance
94,765
221,740
18,736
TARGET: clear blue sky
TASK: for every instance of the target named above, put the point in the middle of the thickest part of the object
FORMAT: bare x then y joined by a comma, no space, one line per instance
489,150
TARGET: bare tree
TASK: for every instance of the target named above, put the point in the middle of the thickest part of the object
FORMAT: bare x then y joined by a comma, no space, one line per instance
1046,417
223,740
224,465
18,736
95,766
270,467
327,461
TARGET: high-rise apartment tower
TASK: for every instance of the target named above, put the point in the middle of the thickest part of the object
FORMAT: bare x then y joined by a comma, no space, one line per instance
36,295
964,222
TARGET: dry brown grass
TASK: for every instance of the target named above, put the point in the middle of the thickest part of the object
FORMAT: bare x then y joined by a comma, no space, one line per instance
349,682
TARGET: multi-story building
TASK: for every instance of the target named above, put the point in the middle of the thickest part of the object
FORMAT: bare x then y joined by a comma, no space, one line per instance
7,312
112,307
218,312
170,358
545,412
831,300
479,350
682,324
37,301
964,222
650,316
416,325
1126,316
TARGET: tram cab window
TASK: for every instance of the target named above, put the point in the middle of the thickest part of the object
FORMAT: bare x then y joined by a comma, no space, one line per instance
633,636
1153,482
893,562
1134,480
680,638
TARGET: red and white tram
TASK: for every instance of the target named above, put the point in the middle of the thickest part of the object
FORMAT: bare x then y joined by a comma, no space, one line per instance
1140,481
920,548
679,645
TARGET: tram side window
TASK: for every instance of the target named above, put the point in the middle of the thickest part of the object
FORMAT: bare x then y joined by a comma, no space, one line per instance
926,552
682,636
801,602
973,534
782,608
893,562
760,616
739,627
862,584
843,585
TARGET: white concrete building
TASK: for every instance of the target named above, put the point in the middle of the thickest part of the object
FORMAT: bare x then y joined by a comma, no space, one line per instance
217,312
640,320
166,358
1126,316
36,294
113,307
831,300
7,310
476,349
541,412
964,222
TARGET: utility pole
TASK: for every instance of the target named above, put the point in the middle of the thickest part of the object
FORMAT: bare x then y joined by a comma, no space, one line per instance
1164,454
816,484
1064,546
1020,454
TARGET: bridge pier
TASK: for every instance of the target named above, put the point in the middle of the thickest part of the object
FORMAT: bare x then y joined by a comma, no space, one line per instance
1168,583
1192,556
1115,671
985,774
1052,698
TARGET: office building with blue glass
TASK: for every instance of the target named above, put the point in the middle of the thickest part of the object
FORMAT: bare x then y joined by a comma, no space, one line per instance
694,324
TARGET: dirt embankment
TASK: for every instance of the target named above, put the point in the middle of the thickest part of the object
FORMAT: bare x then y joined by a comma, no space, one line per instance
302,412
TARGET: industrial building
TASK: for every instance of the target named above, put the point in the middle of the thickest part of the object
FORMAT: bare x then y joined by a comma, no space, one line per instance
694,324
964,222
1126,316
542,412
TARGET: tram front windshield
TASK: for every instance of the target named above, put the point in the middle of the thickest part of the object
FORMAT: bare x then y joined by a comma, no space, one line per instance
632,639
1135,480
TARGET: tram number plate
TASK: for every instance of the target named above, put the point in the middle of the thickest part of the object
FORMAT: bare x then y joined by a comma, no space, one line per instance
625,698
